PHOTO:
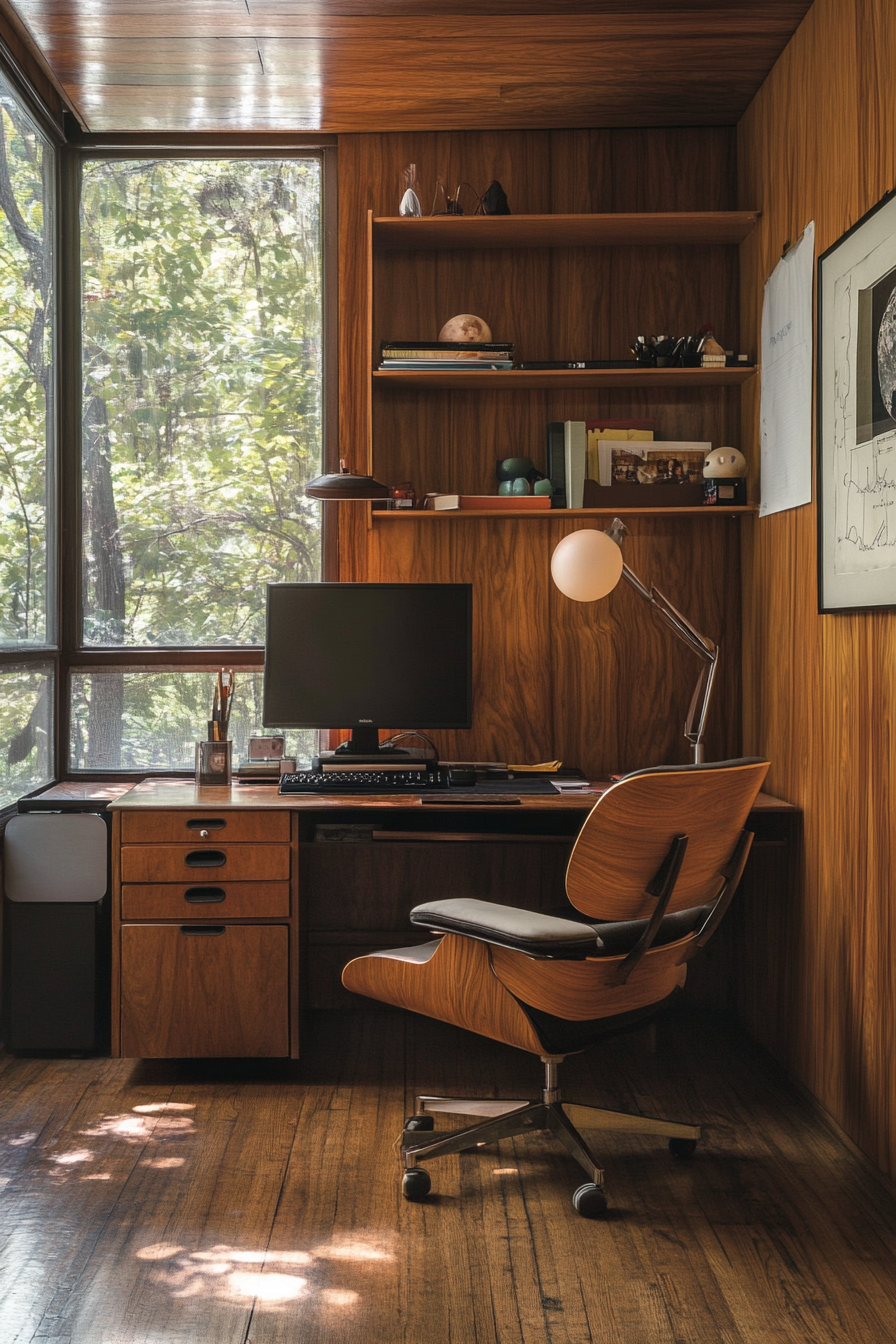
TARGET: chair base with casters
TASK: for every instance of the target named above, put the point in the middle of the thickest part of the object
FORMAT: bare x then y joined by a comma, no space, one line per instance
512,1119
650,876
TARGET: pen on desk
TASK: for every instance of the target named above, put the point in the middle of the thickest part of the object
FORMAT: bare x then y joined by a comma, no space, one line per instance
216,714
225,683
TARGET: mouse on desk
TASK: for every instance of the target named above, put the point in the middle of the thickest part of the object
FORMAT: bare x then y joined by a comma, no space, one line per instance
461,777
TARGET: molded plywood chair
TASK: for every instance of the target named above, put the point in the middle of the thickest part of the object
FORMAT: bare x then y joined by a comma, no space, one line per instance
650,876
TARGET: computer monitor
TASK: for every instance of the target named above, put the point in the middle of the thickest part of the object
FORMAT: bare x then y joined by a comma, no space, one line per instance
366,656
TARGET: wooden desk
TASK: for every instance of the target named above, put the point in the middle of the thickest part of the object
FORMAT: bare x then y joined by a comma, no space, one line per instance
211,887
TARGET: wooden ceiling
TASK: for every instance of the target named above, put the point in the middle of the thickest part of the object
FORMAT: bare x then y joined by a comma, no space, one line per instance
375,65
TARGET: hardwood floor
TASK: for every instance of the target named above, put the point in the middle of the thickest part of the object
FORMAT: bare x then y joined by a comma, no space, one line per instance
221,1203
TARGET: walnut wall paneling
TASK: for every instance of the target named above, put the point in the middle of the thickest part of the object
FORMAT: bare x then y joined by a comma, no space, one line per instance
603,688
821,690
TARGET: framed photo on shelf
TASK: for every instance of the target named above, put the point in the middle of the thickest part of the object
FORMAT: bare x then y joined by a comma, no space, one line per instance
856,416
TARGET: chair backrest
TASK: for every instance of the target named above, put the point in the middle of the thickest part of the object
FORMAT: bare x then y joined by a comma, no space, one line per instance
630,830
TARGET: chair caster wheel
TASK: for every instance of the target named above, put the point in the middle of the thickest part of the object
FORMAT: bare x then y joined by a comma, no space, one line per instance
418,1122
589,1201
415,1184
682,1148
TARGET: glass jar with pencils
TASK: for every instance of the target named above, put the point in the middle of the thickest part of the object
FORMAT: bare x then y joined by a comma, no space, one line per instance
214,756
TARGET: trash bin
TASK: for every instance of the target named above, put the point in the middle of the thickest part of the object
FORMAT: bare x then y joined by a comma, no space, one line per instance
56,918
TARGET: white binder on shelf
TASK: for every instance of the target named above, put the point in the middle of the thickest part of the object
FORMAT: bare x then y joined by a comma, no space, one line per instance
575,442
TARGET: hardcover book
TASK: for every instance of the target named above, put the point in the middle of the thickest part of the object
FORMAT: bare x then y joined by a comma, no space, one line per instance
574,452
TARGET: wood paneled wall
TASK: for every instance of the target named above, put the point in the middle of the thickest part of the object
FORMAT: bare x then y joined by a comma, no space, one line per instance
604,687
819,142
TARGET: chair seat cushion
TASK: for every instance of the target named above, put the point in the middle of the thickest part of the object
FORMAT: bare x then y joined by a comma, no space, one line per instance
526,931
619,936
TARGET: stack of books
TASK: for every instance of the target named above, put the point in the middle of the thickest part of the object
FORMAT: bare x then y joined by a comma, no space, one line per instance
458,356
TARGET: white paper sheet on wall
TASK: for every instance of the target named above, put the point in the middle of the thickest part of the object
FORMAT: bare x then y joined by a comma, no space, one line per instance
785,406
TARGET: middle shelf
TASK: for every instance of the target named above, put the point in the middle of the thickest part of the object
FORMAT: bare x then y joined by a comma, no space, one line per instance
525,380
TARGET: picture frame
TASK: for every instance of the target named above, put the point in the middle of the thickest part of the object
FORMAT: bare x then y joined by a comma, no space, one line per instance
856,416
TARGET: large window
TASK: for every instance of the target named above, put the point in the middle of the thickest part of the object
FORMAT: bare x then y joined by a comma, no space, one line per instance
202,422
27,438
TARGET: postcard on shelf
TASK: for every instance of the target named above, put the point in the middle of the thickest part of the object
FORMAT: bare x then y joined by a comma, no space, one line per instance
670,462
626,430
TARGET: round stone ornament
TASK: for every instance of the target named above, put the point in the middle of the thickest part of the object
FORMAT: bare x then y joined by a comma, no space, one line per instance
465,327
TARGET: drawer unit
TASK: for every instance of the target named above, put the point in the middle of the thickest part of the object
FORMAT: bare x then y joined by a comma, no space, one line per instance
205,899
208,827
205,933
204,990
192,864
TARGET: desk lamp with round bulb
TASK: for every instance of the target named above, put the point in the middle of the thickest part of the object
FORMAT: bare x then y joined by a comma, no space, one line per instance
587,565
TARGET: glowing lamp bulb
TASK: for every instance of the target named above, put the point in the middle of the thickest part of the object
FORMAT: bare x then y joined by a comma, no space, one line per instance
586,565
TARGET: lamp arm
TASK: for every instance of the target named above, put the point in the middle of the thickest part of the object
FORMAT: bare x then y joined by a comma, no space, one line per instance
697,643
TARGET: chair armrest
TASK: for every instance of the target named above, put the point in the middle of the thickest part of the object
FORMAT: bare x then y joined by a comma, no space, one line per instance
506,926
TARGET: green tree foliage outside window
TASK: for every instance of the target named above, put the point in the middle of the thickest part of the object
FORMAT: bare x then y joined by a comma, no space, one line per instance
26,374
202,402
27,168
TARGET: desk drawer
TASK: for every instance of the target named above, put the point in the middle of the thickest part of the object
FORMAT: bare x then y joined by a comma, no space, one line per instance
204,990
202,865
188,826
206,899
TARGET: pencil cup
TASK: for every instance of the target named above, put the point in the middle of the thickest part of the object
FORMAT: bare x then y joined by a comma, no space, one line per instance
213,762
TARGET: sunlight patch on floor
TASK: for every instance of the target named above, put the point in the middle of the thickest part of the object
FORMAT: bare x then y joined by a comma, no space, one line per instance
223,1272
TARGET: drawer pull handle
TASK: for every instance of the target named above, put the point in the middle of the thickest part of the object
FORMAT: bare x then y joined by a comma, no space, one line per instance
205,895
206,858
203,930
205,824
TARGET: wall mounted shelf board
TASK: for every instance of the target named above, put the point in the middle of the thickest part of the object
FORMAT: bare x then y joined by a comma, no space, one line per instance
526,380
613,230
557,515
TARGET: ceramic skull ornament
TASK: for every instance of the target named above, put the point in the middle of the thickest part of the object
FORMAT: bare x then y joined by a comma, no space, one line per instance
724,462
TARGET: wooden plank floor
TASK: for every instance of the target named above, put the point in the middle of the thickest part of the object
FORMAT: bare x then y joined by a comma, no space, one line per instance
142,1203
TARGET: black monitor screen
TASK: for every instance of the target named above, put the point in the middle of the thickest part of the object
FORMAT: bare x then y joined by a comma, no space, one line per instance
355,655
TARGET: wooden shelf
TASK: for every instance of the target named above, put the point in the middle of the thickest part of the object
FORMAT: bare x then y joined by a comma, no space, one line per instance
695,228
526,380
430,515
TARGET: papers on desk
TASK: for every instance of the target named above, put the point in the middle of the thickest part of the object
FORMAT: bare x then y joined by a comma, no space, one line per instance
576,786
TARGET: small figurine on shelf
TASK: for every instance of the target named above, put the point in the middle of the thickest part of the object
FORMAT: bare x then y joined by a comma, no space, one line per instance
410,204
724,477
493,201
712,355
403,496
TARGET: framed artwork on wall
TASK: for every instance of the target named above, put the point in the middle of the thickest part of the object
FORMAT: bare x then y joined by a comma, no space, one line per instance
856,416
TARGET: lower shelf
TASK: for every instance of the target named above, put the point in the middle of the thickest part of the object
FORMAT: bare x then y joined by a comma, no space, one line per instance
556,515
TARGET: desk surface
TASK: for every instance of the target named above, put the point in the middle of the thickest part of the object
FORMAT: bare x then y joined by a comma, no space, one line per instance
184,793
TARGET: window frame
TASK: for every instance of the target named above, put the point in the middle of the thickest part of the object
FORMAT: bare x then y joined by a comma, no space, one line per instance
47,654
72,655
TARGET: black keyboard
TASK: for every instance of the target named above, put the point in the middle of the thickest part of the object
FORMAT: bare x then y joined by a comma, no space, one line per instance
362,781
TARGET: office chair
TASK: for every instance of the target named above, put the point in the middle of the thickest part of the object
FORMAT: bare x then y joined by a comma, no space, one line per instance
651,874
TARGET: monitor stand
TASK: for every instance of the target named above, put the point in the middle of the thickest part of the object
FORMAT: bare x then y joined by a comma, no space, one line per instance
364,749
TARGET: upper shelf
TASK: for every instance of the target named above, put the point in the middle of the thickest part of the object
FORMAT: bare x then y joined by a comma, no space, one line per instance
395,233
520,380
